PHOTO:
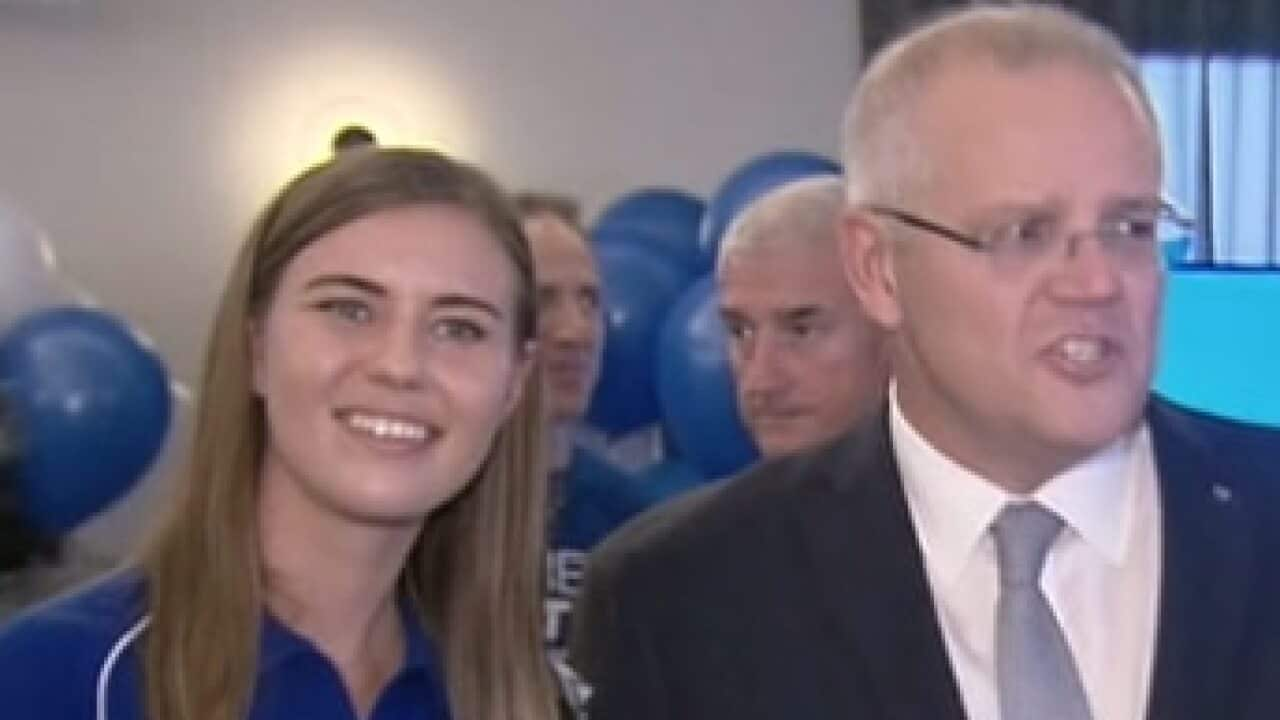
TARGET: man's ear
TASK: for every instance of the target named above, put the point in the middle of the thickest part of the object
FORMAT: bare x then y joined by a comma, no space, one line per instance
867,253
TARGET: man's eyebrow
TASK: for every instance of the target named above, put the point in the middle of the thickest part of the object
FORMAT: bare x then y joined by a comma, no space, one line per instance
733,316
1134,202
802,312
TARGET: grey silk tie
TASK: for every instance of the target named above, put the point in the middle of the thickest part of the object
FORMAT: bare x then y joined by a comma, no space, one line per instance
1036,679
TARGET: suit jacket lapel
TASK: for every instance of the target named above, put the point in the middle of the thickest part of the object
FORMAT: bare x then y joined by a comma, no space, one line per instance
868,574
1204,574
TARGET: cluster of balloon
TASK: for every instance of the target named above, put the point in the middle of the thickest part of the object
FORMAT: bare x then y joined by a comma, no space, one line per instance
89,399
639,287
695,384
665,359
664,220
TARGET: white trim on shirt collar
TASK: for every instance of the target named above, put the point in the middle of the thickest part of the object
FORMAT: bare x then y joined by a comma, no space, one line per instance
953,506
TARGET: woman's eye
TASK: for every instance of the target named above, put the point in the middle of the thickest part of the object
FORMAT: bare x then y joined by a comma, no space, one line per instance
356,311
459,330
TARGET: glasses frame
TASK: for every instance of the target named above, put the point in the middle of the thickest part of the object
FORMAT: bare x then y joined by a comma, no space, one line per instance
1165,211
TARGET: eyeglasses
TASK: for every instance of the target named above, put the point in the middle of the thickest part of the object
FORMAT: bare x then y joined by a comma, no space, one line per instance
1132,235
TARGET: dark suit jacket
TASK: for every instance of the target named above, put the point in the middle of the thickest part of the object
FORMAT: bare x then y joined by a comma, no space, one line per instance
798,590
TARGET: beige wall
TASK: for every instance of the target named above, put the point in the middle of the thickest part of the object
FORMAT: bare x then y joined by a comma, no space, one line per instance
144,133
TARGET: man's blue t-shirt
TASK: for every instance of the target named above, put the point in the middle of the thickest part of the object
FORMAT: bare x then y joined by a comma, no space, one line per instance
596,498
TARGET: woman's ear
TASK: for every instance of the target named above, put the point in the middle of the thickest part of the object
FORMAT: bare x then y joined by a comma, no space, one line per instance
867,253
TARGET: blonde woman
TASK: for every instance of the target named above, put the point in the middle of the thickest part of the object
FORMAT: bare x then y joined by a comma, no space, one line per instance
362,529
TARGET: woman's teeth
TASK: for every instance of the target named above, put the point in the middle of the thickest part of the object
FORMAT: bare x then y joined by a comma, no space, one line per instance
382,427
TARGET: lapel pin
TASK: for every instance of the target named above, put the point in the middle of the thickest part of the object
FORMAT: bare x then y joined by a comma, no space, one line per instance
1221,493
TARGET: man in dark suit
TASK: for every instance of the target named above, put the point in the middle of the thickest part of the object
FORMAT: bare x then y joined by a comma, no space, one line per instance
1023,531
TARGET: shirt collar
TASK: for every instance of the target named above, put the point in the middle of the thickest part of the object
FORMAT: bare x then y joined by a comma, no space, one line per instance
420,652
280,643
952,506
1098,498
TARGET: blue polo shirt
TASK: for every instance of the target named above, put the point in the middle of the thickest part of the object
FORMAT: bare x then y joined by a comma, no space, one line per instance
77,658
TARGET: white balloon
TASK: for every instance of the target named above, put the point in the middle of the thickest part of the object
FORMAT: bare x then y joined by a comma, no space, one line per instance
28,267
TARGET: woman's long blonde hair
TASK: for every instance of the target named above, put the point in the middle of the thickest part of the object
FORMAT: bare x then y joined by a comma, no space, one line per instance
475,572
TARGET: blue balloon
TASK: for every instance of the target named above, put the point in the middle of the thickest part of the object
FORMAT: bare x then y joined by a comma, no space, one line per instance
744,185
663,219
682,254
639,286
92,406
695,386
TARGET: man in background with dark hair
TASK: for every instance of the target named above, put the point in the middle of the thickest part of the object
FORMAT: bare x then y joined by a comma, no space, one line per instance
589,497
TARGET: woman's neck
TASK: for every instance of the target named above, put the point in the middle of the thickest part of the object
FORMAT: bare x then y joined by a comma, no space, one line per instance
334,582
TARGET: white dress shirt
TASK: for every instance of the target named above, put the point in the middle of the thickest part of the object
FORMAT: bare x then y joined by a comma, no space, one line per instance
1101,576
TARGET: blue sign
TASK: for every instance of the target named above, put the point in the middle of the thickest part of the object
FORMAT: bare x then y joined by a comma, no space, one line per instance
1220,344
